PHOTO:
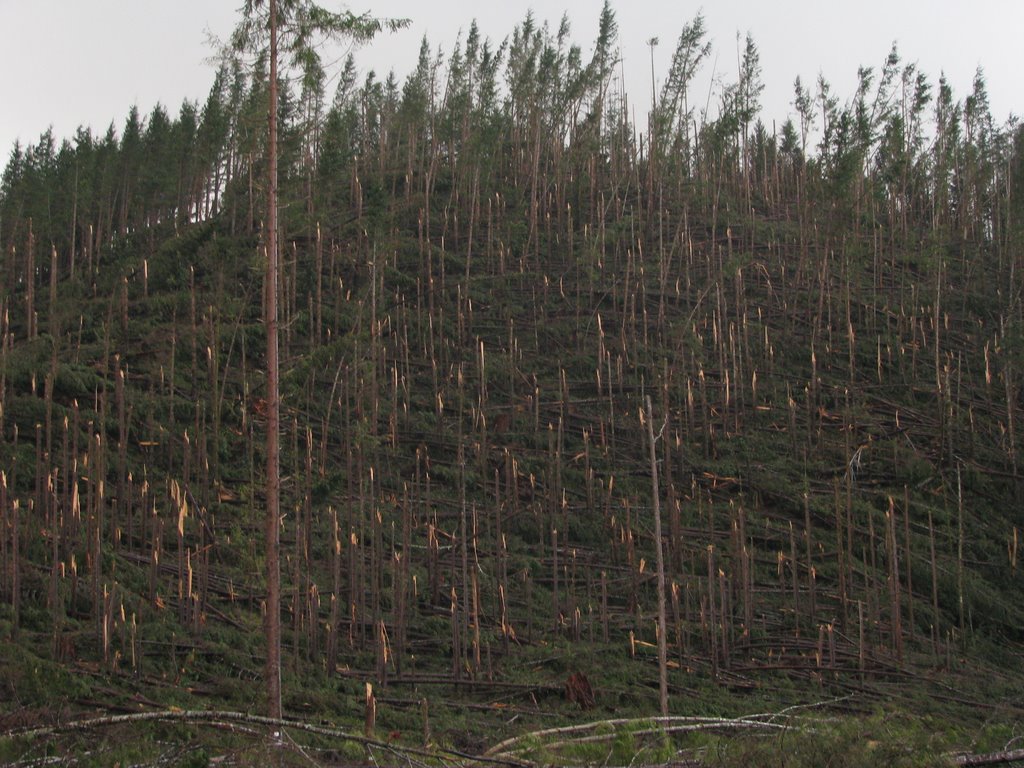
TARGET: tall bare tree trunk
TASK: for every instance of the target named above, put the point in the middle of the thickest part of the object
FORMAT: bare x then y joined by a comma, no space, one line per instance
273,615
660,564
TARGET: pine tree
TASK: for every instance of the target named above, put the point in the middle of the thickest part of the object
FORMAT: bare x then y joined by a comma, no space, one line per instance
297,26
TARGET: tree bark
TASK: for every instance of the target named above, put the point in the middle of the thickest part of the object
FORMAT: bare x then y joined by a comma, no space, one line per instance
991,758
273,612
660,564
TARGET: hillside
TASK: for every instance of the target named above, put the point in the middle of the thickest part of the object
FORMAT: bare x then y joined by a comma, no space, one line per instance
485,271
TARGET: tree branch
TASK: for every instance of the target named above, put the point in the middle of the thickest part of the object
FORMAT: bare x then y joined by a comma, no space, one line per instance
220,718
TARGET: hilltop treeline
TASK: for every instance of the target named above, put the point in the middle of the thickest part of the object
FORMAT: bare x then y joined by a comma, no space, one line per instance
901,151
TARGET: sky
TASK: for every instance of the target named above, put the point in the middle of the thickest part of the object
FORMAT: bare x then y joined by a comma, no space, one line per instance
67,63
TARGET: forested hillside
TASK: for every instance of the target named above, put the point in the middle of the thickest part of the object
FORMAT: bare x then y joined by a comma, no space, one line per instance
486,270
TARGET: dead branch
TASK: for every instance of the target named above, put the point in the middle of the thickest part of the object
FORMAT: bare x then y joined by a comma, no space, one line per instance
653,725
991,758
220,718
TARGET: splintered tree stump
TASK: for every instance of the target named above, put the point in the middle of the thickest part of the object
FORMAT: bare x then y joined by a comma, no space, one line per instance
370,724
578,690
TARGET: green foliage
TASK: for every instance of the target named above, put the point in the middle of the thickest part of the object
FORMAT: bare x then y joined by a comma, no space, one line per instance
31,680
889,741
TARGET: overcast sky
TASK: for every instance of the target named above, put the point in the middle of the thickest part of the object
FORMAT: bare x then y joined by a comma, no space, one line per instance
67,63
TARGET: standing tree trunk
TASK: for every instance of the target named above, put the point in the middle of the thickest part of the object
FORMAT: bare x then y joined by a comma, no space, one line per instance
273,614
660,564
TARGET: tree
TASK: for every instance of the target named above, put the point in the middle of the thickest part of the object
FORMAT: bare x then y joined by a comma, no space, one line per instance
976,160
602,65
211,138
338,137
10,201
154,174
132,150
298,26
749,89
672,113
804,104
659,559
